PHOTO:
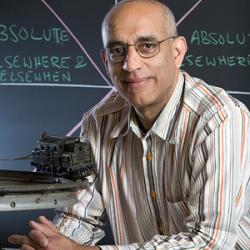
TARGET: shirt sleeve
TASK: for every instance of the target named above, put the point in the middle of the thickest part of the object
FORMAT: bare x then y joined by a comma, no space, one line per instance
83,222
220,172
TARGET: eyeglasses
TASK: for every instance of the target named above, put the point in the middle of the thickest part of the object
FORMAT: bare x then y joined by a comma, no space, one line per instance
117,52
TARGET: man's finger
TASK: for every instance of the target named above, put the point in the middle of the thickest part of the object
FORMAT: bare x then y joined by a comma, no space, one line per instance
27,247
39,238
23,241
44,220
18,239
43,228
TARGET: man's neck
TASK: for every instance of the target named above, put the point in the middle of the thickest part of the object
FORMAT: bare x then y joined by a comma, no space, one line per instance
146,117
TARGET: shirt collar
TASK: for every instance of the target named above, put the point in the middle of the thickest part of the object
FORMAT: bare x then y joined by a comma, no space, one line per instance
122,127
164,122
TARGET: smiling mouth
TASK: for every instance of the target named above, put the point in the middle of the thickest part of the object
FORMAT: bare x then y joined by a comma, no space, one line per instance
137,82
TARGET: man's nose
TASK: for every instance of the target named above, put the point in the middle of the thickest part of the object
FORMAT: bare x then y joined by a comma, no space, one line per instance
133,60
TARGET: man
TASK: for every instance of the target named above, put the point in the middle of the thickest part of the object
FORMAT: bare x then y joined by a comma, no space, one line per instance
172,152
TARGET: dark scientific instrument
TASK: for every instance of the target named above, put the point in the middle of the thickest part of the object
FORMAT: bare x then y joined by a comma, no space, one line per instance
63,157
61,167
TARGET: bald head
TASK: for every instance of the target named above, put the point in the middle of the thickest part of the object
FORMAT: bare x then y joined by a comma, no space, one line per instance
168,21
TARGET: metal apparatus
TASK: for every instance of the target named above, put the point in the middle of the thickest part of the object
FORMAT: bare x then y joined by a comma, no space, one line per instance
62,165
66,157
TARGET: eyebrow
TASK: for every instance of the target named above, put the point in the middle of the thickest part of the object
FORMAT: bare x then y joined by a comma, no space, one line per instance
114,43
140,39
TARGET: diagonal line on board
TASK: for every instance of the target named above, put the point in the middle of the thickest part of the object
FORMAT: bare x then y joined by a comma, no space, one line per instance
83,49
238,92
188,13
76,40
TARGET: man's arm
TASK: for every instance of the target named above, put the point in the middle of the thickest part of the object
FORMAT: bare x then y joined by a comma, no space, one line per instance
83,221
44,235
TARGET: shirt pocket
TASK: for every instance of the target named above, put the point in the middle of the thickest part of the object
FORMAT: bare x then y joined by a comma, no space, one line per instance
177,213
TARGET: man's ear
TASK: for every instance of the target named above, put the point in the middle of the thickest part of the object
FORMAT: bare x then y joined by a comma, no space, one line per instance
179,50
105,61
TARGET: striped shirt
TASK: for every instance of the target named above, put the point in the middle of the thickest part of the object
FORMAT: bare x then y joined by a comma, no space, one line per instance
182,185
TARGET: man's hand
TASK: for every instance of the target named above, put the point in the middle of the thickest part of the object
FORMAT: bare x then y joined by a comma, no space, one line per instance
45,236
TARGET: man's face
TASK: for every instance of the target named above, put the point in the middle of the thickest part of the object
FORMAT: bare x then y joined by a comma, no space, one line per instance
143,82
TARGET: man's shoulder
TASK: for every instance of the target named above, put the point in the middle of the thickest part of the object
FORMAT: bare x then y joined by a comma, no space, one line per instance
203,98
112,103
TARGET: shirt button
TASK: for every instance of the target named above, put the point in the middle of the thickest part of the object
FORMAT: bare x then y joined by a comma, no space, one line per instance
153,194
149,156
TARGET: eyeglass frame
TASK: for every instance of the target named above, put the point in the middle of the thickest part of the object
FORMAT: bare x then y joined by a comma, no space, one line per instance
106,49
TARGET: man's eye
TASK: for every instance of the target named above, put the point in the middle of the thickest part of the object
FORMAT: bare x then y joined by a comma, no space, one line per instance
147,46
117,50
